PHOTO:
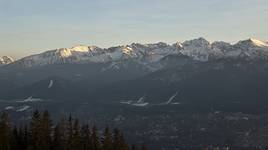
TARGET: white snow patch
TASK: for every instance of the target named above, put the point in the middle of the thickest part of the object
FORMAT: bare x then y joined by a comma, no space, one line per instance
23,108
171,98
126,102
258,42
50,84
176,103
31,99
9,108
140,104
141,99
80,48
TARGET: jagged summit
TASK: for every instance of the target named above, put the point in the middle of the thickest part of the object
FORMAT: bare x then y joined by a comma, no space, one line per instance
198,42
198,49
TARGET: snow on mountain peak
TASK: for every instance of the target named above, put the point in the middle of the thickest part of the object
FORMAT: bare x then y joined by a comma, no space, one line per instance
83,48
80,48
258,42
127,50
6,60
178,45
252,43
198,49
199,42
64,52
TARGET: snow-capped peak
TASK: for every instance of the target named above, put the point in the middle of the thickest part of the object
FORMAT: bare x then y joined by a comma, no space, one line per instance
258,42
6,60
198,49
199,42
252,43
83,48
80,48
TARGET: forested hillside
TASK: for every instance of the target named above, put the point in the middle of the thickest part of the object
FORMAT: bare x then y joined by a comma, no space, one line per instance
40,133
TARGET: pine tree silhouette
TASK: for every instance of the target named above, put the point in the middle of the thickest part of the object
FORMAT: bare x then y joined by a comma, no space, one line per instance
107,140
35,128
86,137
45,131
95,139
76,138
56,141
14,144
118,141
5,131
69,133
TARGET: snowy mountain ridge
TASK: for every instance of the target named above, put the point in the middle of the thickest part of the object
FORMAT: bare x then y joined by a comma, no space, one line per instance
198,49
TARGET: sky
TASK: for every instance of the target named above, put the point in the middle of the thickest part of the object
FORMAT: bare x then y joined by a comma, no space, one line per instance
33,26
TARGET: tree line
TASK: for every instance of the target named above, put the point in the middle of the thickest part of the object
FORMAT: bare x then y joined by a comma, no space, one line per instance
68,134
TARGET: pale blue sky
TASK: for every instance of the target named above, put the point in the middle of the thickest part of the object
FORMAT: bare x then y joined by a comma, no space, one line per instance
33,26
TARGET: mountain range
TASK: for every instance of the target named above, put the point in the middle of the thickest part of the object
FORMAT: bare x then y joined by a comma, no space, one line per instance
198,49
194,73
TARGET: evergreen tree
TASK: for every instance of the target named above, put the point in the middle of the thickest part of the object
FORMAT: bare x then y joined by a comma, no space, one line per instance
76,138
124,146
35,129
20,141
14,139
45,131
5,131
86,135
57,143
143,147
63,133
95,139
25,138
107,141
118,141
69,133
